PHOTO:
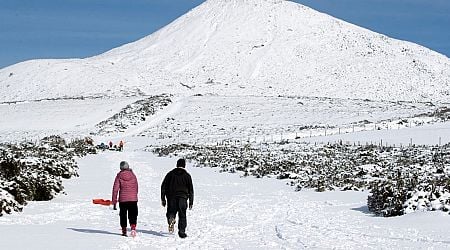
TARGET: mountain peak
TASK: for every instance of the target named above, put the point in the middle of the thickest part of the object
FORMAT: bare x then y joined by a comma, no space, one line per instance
246,47
245,1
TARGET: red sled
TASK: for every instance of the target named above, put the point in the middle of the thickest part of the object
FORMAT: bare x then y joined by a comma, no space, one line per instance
102,202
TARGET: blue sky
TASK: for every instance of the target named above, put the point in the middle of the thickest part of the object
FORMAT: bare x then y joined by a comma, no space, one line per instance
32,29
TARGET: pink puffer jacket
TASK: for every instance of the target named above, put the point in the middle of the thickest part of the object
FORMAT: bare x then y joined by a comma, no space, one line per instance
126,185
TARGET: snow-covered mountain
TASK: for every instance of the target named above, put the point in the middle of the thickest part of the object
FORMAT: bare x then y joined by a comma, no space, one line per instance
244,47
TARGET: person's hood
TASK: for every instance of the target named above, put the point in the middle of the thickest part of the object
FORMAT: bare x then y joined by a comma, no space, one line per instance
126,174
179,171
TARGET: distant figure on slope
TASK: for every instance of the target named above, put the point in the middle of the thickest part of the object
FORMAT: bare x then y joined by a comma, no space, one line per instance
177,188
121,145
126,185
110,144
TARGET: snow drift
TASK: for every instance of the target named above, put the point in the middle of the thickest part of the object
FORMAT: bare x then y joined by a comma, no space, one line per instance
244,47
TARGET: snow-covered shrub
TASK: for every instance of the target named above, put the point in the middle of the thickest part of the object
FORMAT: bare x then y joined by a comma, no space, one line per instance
394,175
432,193
389,194
8,203
410,193
34,172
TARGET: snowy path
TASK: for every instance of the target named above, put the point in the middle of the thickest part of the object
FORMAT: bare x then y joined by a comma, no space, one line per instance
229,213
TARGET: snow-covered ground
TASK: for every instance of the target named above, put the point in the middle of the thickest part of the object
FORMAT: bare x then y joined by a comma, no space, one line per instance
212,119
431,134
229,213
34,120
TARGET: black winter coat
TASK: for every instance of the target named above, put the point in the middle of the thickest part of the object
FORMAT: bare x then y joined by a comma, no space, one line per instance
178,183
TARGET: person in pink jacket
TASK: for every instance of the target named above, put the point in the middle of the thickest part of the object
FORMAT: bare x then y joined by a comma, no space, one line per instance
126,185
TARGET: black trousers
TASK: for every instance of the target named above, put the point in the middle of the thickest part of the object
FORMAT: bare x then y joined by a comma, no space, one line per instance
130,208
177,205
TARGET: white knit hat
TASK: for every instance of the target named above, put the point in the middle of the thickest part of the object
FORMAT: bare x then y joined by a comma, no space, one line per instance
124,165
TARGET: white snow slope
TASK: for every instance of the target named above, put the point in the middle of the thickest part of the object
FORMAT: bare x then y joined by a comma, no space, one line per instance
244,47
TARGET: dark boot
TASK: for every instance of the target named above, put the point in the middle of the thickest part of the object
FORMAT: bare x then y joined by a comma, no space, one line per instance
124,231
182,234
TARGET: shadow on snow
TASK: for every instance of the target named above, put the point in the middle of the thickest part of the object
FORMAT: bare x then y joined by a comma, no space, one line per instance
363,209
95,231
160,234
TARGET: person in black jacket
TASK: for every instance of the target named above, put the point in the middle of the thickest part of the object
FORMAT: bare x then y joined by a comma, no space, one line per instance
177,188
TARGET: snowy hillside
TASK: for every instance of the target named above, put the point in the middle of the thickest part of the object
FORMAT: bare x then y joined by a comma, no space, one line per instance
244,47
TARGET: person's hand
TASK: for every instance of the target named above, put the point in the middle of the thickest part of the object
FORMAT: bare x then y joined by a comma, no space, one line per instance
114,207
163,203
190,206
